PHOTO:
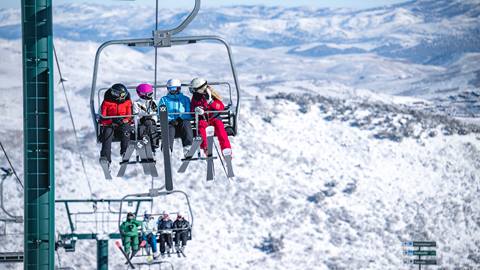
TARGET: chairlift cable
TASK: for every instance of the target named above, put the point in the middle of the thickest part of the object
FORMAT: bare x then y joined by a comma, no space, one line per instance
11,165
72,121
156,52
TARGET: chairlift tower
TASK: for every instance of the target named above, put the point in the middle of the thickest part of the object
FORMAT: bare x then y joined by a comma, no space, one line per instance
39,172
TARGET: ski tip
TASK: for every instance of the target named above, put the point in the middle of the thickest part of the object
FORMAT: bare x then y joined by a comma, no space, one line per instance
118,244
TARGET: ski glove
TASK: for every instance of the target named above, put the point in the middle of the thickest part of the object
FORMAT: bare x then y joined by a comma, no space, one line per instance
199,111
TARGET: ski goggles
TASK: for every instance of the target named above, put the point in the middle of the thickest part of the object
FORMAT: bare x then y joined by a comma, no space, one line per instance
119,95
174,88
148,95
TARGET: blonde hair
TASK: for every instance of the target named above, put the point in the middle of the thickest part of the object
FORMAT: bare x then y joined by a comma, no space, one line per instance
215,94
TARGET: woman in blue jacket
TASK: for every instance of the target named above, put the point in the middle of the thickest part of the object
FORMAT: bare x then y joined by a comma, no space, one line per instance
178,123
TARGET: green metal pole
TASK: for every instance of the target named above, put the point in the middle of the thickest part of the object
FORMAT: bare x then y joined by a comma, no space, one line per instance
38,132
102,254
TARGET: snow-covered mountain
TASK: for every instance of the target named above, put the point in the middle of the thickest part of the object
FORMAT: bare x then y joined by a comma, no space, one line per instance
426,31
431,46
350,137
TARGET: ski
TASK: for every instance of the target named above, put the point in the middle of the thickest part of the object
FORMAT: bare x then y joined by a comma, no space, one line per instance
150,158
228,161
106,168
119,246
181,252
125,159
166,148
210,168
193,149
141,150
143,158
141,245
221,161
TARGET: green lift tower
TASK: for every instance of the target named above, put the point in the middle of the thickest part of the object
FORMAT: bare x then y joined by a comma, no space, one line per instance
39,173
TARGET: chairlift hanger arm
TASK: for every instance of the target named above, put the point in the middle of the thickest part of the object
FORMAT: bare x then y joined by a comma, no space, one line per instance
12,218
187,20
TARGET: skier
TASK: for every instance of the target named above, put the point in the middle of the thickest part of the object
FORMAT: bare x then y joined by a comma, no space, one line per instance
149,233
165,226
116,102
178,123
129,232
205,98
144,107
181,227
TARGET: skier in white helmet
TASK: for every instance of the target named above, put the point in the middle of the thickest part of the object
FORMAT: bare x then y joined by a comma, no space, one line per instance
178,123
205,98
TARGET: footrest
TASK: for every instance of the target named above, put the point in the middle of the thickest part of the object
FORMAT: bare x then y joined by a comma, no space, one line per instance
11,257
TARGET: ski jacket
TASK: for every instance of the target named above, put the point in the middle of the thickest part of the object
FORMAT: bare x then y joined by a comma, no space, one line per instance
143,107
181,224
178,103
112,108
148,226
130,227
165,224
199,100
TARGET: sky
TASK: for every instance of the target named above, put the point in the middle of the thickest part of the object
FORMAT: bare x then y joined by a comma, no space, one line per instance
215,3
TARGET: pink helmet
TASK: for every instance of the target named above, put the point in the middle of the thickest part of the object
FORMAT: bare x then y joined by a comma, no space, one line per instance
145,91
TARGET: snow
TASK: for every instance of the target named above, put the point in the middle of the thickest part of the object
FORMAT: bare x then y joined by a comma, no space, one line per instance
339,157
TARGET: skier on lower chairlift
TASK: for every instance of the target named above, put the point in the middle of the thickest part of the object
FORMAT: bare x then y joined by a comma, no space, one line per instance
205,98
178,124
181,226
149,233
129,232
165,226
116,102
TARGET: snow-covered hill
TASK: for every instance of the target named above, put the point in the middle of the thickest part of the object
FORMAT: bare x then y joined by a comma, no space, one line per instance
341,156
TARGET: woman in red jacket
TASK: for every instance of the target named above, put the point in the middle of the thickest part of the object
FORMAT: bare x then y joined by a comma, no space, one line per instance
206,99
116,102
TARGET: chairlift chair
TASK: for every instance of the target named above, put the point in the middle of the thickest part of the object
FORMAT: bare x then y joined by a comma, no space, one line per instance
166,39
153,193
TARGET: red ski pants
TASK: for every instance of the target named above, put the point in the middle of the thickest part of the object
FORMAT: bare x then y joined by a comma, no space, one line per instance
219,132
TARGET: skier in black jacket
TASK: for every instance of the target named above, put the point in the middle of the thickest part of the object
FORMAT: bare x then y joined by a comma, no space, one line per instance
165,226
181,227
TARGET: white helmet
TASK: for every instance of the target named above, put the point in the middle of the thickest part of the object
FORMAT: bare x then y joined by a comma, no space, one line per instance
198,85
174,85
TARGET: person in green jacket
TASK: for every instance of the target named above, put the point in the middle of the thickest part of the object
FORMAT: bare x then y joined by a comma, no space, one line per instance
129,233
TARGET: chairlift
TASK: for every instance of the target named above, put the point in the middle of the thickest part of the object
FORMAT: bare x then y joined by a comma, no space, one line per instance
162,39
154,193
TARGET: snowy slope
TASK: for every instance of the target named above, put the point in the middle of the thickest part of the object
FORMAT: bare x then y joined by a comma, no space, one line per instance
334,168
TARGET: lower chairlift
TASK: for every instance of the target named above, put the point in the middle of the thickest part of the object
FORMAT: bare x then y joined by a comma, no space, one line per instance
134,259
